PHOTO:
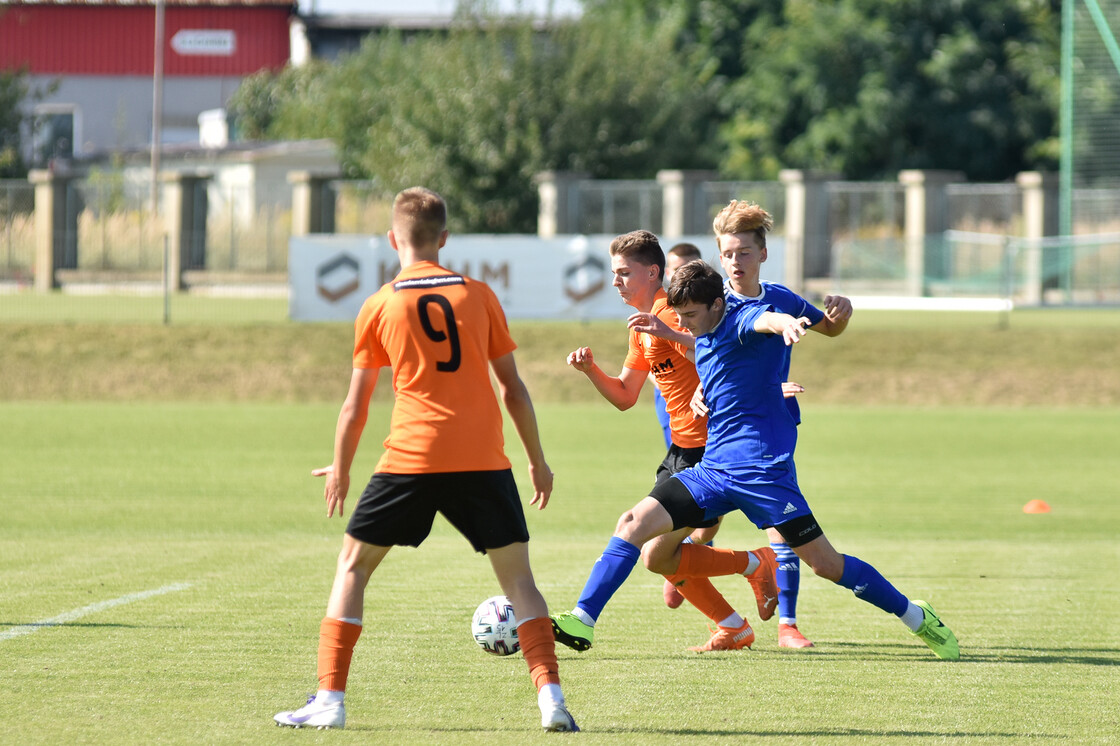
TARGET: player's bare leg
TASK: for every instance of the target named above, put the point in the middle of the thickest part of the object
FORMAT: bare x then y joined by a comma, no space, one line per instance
338,633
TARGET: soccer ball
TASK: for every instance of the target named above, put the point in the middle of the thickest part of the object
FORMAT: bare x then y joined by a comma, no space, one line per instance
495,627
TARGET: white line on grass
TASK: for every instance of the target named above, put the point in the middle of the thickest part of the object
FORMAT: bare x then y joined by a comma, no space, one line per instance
69,616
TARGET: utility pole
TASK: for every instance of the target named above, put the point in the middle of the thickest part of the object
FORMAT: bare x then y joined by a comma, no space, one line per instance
157,106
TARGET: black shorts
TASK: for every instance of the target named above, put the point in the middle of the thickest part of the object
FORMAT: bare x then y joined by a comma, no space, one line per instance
679,459
399,509
678,503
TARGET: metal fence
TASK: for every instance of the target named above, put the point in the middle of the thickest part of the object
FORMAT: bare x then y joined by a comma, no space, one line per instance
17,230
1096,210
113,226
985,208
358,207
713,196
612,207
865,229
247,228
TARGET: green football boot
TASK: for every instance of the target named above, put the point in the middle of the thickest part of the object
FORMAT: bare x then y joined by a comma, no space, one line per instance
570,631
934,633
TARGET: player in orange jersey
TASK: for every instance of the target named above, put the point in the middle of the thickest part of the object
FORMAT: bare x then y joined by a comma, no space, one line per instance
442,334
638,265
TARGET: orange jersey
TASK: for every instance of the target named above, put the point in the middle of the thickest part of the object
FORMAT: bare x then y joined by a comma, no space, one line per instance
675,375
439,331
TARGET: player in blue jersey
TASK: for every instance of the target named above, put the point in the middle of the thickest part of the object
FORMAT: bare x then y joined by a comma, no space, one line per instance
747,466
740,230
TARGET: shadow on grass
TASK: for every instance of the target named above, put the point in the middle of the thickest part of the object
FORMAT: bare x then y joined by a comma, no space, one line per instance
909,651
749,733
990,653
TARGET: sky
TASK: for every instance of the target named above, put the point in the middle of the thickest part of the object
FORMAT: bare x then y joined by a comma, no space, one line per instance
412,7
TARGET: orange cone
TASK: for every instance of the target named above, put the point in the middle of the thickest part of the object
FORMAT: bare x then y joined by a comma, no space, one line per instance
1036,506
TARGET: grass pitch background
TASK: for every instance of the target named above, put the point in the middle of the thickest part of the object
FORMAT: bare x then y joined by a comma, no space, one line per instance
104,498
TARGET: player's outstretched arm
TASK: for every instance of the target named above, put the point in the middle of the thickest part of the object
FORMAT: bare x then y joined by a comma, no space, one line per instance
622,391
792,329
651,324
347,434
837,314
520,407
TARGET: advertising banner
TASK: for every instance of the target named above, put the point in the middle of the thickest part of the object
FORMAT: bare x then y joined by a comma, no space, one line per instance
567,277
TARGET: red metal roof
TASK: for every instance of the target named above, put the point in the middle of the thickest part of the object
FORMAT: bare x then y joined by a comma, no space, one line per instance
117,38
151,3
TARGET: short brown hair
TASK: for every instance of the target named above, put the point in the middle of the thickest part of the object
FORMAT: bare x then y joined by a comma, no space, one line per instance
743,217
641,246
419,216
685,251
695,282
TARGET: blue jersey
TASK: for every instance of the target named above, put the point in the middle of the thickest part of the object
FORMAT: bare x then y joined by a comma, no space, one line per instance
782,299
742,372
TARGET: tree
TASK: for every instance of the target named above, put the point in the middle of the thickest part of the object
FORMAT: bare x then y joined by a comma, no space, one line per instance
13,90
865,88
476,114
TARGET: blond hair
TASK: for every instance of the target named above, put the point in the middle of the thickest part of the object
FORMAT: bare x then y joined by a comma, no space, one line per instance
743,217
419,216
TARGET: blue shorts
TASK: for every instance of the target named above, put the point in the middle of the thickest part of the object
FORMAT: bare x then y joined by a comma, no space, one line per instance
767,495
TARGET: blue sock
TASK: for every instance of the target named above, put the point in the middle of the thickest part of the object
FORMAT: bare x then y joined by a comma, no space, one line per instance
865,581
789,581
607,575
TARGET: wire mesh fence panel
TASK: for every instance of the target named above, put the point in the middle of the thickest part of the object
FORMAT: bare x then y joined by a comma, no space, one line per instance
1094,94
865,209
614,207
247,228
1094,274
974,263
17,231
864,231
1096,210
985,208
713,196
115,229
361,207
860,264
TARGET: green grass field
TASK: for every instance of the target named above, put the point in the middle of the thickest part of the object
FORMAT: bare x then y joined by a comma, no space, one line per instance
212,505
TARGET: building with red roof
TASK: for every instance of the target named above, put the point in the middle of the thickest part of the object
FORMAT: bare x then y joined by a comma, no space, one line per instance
93,61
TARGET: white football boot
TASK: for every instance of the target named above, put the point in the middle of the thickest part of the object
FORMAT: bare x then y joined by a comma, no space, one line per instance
314,714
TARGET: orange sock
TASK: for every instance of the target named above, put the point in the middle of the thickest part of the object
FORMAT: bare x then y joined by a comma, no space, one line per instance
336,647
699,561
539,648
703,595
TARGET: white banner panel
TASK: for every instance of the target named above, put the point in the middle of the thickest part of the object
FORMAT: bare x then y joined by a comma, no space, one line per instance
567,277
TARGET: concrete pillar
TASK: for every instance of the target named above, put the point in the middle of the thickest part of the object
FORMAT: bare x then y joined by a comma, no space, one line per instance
794,182
184,211
681,210
56,228
927,214
1040,219
559,202
808,243
313,202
